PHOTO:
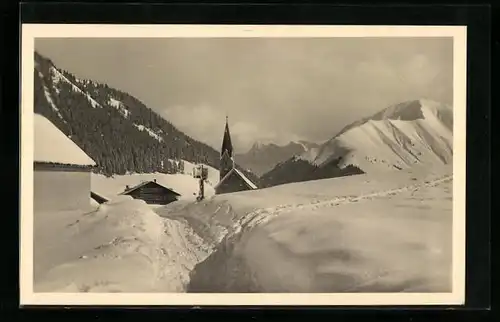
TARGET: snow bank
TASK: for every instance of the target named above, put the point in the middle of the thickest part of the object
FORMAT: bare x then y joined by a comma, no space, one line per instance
394,239
123,246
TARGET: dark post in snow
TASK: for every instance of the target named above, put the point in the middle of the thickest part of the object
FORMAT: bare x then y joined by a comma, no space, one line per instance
201,194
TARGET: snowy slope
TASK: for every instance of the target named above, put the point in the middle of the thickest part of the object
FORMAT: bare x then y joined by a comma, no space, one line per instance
58,77
399,137
51,145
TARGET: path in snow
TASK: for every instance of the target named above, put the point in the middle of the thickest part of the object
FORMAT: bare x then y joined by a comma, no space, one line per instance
396,242
263,215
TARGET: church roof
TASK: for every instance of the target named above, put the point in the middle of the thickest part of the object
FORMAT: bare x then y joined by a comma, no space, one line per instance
250,184
227,146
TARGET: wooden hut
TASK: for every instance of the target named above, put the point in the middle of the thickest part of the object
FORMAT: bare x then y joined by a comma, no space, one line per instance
152,193
61,170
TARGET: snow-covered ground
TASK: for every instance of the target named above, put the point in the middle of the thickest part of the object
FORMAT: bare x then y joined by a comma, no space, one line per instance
184,184
122,246
391,240
365,233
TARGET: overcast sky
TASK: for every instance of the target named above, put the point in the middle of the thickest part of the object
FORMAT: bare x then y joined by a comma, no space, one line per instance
273,90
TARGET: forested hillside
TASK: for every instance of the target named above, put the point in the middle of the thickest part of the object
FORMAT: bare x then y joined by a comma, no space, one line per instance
114,128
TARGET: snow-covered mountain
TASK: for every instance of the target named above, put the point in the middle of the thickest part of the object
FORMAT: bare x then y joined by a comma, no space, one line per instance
417,132
398,137
263,157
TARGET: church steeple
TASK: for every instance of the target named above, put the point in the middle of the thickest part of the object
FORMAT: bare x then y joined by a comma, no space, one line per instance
226,153
226,141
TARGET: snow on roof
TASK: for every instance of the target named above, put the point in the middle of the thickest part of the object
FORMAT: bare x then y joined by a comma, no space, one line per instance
248,182
239,173
51,145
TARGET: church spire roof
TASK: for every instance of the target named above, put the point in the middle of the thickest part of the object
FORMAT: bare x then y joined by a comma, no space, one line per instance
226,141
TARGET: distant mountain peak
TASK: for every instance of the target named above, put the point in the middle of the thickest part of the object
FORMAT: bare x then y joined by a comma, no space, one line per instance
262,156
399,136
257,145
260,145
410,110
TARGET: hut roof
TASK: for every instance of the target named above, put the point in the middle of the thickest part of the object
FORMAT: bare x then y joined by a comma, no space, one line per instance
52,146
142,184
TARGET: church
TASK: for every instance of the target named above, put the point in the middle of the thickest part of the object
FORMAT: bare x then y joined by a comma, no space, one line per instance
231,179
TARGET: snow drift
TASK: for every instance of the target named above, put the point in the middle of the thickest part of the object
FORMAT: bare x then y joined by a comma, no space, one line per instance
123,246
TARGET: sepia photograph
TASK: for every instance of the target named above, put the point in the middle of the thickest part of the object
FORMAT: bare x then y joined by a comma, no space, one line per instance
243,165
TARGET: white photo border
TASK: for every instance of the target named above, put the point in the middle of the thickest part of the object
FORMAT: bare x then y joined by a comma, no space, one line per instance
31,31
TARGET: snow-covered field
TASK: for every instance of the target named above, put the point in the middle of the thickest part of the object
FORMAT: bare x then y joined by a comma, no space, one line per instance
365,233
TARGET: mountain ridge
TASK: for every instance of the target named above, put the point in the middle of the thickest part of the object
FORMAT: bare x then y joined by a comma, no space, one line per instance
415,132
